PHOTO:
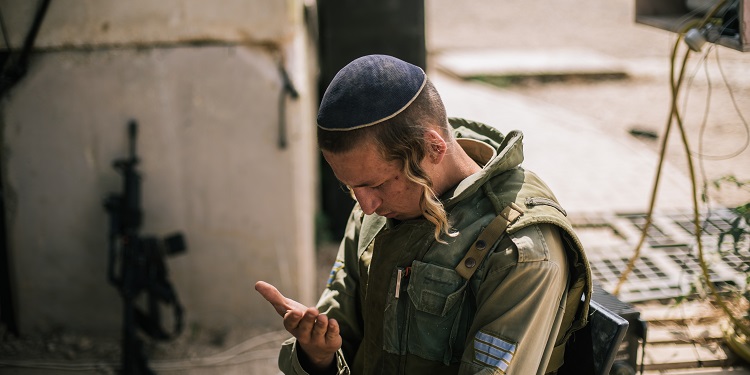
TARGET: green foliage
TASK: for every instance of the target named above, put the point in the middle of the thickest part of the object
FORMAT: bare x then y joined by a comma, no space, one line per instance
731,179
738,233
684,298
739,226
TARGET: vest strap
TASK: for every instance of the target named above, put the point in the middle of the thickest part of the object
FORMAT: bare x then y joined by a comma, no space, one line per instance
481,247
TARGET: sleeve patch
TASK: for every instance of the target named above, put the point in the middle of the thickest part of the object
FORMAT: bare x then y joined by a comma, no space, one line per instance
493,351
337,266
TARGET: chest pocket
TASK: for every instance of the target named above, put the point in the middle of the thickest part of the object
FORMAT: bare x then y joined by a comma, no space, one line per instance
437,296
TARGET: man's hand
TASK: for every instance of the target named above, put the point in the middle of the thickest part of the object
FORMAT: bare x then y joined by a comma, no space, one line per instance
317,336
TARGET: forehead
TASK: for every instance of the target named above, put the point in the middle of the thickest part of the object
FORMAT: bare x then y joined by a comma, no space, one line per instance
362,166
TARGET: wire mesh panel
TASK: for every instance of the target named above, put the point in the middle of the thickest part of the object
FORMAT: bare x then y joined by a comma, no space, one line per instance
668,265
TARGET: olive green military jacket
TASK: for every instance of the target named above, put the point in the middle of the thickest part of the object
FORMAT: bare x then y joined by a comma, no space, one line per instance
402,307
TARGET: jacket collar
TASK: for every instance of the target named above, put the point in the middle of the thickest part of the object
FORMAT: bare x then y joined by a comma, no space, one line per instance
477,139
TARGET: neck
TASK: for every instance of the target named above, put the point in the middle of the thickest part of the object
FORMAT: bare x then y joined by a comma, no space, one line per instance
456,166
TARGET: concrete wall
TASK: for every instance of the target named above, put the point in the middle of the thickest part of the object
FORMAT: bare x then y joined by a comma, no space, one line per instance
202,80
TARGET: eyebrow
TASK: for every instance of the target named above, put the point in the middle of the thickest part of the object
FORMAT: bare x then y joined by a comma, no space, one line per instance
365,184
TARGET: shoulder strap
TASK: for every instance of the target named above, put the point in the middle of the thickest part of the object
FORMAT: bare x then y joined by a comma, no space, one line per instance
478,252
480,248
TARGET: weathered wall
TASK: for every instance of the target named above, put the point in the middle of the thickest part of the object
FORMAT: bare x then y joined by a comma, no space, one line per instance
202,80
98,23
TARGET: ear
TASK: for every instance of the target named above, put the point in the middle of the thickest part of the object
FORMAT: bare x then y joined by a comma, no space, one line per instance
436,146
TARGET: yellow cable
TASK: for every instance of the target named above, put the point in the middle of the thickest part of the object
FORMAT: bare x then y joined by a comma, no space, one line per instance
662,153
738,324
674,113
737,342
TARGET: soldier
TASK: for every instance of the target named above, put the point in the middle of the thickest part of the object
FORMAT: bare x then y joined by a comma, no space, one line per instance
455,259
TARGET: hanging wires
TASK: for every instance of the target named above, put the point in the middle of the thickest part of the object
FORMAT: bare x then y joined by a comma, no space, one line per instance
674,113
745,125
704,123
675,117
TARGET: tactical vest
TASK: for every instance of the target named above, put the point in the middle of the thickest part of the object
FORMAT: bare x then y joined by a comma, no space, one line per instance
511,219
526,201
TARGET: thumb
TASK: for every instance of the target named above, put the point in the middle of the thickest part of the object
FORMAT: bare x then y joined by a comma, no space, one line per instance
272,295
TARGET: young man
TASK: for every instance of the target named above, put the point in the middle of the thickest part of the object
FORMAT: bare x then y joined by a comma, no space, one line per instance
455,259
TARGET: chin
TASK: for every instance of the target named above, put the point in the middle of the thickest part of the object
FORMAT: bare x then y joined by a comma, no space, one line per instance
403,217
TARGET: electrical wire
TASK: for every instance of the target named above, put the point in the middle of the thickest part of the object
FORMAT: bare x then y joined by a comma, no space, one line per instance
689,17
701,158
736,108
673,115
705,196
703,63
738,325
729,155
647,224
704,123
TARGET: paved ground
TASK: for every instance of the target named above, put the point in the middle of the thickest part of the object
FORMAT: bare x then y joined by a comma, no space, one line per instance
590,120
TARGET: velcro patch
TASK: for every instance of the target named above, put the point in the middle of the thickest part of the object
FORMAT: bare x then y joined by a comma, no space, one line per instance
493,351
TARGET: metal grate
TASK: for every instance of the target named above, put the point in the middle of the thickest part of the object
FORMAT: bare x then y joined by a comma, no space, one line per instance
689,263
668,265
715,223
656,237
739,261
648,280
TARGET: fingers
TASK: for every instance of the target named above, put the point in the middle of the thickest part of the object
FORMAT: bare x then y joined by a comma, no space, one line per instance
292,320
306,324
319,335
310,326
272,295
280,303
333,332
320,327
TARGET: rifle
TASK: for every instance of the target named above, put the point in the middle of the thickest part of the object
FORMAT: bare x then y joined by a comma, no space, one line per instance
142,268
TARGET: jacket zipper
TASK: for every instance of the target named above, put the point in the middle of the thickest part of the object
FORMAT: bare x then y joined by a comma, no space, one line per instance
538,201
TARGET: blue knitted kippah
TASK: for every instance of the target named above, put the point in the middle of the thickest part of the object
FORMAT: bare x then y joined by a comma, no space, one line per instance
369,90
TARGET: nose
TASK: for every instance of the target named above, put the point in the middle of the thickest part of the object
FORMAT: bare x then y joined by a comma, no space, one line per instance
368,200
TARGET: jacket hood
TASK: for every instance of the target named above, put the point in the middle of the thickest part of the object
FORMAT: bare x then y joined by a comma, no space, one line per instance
508,154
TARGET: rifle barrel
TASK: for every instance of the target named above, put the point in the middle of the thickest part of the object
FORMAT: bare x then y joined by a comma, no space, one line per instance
132,134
